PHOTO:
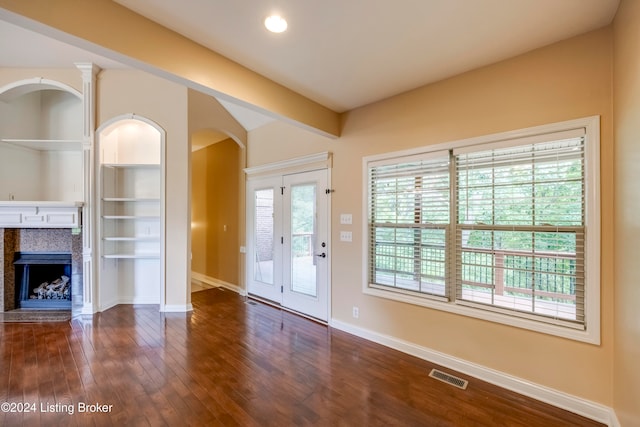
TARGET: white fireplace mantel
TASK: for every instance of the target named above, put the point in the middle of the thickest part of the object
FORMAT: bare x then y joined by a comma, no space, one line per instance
39,214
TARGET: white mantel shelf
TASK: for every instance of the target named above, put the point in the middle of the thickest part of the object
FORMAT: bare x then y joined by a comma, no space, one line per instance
44,203
39,214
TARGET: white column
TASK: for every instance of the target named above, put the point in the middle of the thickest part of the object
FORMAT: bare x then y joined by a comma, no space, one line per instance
89,72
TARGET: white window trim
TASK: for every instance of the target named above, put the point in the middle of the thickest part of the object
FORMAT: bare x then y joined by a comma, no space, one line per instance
591,333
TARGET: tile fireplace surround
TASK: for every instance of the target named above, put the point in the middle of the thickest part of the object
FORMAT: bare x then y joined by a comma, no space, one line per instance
14,240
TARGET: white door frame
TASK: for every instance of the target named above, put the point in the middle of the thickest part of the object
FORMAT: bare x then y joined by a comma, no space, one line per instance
278,170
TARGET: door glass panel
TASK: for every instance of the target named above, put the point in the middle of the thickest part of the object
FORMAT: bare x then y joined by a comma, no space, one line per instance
263,267
303,237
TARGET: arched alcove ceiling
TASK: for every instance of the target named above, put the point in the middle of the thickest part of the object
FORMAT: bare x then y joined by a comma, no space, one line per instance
131,119
19,88
28,132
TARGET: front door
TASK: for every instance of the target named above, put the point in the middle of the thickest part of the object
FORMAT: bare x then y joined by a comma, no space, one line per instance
288,247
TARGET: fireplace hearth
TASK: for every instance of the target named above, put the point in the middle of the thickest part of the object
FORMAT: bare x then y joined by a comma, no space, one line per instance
43,280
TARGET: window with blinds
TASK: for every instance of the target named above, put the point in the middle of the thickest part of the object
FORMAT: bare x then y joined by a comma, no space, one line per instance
409,211
520,227
499,225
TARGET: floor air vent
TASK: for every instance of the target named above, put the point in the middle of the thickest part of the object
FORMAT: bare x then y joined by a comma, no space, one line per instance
449,379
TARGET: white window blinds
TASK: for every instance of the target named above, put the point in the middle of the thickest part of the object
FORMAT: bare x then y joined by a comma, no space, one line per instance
498,226
409,211
520,226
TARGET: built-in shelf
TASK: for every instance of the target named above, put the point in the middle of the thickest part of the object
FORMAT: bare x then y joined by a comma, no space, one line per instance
138,217
132,256
41,148
132,165
40,203
132,239
131,199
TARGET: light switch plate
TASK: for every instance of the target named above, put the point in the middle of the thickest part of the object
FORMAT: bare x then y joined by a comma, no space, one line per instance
346,236
346,219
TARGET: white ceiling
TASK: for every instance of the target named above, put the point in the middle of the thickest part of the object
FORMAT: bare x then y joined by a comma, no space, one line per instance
344,53
348,53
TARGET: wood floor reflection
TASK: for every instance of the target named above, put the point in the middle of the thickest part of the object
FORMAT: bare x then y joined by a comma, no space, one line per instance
233,363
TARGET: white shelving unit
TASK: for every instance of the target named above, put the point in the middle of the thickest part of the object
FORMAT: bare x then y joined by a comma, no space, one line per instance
131,213
41,157
131,210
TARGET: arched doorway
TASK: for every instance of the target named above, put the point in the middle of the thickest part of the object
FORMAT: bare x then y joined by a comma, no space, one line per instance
217,222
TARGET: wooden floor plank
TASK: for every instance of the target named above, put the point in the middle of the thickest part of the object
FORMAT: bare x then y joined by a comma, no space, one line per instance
231,363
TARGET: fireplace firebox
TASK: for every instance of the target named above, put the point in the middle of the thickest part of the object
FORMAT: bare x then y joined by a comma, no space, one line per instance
43,280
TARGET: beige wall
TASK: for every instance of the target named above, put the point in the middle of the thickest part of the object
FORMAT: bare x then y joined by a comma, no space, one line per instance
567,80
129,91
280,141
215,216
626,390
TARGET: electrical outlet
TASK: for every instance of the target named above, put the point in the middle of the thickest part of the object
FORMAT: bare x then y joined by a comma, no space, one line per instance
346,236
356,312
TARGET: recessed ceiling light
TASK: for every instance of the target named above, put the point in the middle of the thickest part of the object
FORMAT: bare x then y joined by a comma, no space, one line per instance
275,24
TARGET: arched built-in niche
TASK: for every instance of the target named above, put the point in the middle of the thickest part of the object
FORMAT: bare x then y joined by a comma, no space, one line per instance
130,210
41,137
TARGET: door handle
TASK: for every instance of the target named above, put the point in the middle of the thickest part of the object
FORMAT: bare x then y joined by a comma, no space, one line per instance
322,255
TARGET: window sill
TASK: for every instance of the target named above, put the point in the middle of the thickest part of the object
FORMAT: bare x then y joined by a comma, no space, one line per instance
590,337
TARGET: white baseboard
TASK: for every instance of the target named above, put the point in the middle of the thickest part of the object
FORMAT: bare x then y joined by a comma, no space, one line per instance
212,282
169,308
614,420
106,306
578,405
88,309
176,308
138,300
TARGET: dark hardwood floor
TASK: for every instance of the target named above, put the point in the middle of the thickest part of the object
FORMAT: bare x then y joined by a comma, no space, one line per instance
234,363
